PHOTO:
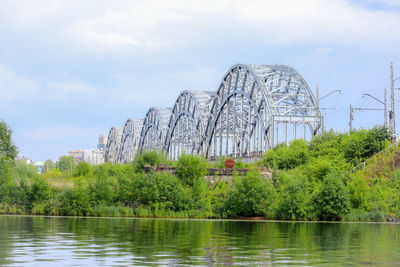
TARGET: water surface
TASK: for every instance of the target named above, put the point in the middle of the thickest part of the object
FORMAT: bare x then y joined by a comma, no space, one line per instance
41,241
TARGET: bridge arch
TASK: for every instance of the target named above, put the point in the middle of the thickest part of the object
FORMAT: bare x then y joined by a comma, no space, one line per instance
130,140
111,152
250,104
154,129
187,123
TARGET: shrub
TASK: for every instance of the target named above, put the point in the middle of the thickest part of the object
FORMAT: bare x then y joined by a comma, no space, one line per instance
39,190
75,201
250,196
294,190
82,169
285,157
332,200
358,192
102,190
362,144
190,168
149,158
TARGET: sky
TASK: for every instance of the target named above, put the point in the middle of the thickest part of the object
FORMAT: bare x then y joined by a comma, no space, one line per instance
70,70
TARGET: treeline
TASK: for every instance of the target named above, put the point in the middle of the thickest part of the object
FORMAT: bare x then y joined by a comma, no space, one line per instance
312,181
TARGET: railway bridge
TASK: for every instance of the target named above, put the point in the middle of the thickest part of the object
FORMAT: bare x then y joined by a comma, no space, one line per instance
254,108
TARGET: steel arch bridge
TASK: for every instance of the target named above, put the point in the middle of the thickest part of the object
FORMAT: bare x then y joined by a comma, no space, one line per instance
130,140
154,129
187,124
254,108
113,145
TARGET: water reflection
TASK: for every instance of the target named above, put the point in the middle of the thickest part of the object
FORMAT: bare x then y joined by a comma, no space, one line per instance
93,241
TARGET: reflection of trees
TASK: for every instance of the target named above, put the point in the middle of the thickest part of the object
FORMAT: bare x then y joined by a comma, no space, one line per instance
202,241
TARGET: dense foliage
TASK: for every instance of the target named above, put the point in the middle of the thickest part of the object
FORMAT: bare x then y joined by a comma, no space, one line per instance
311,181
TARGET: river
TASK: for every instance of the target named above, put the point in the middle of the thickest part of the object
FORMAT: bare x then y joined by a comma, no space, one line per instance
65,241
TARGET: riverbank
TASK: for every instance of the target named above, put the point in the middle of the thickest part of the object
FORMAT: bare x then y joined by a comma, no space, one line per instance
311,181
241,219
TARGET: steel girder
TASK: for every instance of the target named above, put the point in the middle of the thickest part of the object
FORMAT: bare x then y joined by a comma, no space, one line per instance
111,152
251,102
188,123
154,129
130,140
254,107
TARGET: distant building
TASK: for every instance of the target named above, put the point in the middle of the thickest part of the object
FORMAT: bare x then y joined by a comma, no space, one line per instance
77,154
102,143
93,156
39,165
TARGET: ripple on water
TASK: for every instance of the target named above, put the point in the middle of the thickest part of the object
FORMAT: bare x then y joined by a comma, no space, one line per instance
44,241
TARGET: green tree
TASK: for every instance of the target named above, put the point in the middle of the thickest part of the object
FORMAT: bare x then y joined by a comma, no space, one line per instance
48,166
6,168
66,164
7,148
8,153
83,169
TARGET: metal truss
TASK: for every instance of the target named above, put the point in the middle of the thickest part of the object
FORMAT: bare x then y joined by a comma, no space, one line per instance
130,140
255,108
111,152
252,101
154,129
188,123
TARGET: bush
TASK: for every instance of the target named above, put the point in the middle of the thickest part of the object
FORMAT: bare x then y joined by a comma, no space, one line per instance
75,201
39,190
171,192
102,190
219,196
362,144
294,190
190,168
358,192
147,159
285,157
83,169
250,196
332,200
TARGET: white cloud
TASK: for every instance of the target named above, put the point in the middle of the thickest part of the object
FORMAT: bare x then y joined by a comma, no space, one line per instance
108,25
45,133
64,89
16,88
389,2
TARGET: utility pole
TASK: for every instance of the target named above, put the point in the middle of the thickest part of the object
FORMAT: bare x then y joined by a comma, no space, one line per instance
351,118
392,122
385,110
317,96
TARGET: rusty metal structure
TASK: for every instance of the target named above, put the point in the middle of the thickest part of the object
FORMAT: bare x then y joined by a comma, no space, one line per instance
254,108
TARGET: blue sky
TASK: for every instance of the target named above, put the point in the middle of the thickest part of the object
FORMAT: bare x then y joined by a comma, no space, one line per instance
69,70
